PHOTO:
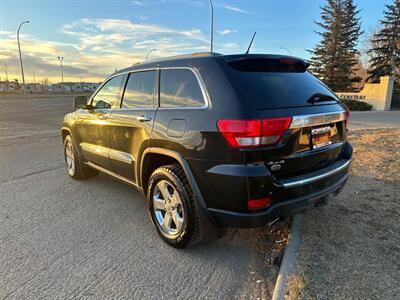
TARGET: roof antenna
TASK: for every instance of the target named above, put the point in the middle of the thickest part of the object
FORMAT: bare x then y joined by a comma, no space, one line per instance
251,42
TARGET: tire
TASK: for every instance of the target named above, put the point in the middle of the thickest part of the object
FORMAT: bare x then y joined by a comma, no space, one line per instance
75,167
175,220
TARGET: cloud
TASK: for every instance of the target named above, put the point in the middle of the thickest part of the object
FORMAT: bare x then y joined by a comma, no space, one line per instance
4,32
230,46
194,3
113,31
147,2
235,9
226,31
96,47
140,3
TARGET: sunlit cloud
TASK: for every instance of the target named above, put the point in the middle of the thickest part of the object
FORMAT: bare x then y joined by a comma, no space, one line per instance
96,47
226,31
235,9
4,32
110,31
230,46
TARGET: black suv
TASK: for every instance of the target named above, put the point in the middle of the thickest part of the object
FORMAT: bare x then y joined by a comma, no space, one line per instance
213,141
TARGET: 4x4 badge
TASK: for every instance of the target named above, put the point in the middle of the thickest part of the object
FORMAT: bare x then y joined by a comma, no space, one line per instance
276,165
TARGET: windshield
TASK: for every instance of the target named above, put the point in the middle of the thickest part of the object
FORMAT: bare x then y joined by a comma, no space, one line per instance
279,89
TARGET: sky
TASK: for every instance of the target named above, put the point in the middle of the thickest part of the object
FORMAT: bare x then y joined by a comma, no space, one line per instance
96,37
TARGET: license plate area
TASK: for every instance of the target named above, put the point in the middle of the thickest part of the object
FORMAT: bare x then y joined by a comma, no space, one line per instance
320,137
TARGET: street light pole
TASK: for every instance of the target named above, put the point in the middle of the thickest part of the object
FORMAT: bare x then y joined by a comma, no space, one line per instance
6,84
148,53
5,66
61,58
20,56
212,25
290,53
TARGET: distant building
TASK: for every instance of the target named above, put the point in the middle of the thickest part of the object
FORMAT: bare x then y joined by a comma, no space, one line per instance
9,86
3,86
75,87
90,87
33,88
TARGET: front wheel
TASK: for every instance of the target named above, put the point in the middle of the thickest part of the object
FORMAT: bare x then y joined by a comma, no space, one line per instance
171,205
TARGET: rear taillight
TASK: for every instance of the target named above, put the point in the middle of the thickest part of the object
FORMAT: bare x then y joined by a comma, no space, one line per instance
258,203
346,119
253,133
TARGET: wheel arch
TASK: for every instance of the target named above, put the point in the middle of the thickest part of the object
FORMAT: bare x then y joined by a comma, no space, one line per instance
150,162
171,157
64,132
209,229
67,131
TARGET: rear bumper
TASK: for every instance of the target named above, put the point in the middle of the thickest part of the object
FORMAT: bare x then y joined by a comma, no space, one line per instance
279,209
290,196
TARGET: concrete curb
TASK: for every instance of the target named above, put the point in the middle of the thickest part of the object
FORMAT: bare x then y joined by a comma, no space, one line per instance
373,128
289,258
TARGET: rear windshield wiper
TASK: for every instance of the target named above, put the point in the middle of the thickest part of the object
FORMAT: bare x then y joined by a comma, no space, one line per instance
319,97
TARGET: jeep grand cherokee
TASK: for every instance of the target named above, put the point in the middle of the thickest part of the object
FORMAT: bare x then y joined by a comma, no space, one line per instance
213,141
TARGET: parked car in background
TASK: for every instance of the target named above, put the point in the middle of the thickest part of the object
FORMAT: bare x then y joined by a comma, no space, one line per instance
213,141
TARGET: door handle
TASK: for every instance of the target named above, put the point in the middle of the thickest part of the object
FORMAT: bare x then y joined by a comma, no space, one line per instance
143,118
103,117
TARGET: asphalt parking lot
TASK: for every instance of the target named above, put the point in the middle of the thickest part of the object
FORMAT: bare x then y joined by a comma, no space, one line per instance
61,238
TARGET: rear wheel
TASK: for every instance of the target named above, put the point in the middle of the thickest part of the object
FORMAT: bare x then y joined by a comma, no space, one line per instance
171,204
75,167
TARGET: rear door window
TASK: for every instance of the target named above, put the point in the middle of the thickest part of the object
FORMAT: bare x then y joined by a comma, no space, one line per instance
180,88
140,90
269,84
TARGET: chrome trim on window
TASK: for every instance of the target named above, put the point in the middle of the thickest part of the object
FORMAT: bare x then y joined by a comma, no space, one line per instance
296,183
317,119
199,78
206,97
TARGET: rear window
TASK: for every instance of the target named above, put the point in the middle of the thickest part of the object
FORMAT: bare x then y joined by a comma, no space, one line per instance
180,88
277,83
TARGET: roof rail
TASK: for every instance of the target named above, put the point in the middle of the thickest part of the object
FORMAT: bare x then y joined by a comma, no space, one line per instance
195,54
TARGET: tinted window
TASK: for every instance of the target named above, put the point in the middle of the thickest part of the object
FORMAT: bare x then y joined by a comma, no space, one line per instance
108,96
277,86
278,90
140,90
180,88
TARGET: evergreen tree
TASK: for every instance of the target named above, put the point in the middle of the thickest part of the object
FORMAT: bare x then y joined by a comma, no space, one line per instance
335,58
385,52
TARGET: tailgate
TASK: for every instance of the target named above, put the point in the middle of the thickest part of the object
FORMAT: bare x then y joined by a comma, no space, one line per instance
312,142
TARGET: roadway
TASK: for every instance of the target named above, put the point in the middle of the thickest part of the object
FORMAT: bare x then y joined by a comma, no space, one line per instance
374,119
61,238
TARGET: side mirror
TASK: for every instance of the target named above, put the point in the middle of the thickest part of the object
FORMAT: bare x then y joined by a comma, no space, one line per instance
80,102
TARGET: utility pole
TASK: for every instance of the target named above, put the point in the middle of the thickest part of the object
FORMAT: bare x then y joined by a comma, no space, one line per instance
212,25
147,55
5,66
61,58
290,53
34,79
20,56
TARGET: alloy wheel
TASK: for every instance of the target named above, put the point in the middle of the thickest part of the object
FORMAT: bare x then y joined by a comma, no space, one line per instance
168,209
70,158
